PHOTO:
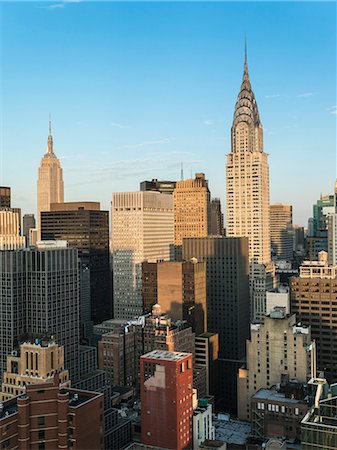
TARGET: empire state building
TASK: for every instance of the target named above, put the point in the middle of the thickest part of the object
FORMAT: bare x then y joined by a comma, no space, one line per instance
247,192
50,187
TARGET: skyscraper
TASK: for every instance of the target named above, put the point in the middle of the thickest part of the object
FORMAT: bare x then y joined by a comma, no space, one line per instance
166,397
277,346
33,362
313,298
165,187
142,230
40,296
180,290
5,197
191,208
10,238
247,192
332,238
317,225
50,187
85,227
216,218
227,300
28,224
281,233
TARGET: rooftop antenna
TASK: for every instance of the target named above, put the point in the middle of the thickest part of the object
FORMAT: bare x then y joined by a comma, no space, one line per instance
182,171
49,124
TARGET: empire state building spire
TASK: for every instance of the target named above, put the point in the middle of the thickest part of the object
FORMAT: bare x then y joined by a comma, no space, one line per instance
50,188
50,140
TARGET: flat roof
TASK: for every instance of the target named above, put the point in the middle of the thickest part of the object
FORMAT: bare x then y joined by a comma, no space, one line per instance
232,431
166,356
9,407
273,394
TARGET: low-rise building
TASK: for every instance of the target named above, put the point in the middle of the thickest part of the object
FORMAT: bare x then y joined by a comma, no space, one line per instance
48,416
277,414
319,426
203,428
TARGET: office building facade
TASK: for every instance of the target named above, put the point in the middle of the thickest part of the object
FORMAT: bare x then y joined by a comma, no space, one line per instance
313,298
40,297
277,346
142,230
180,290
281,232
85,227
191,208
227,300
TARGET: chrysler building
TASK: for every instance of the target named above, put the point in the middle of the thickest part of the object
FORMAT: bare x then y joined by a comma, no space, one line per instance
50,181
247,192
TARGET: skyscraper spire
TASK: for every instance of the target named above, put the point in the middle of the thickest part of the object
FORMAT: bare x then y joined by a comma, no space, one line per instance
50,149
245,49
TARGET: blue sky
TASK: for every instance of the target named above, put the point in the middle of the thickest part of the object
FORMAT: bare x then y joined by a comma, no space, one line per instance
136,88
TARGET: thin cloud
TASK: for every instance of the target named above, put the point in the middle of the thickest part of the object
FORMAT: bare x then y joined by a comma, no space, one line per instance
273,96
118,125
333,110
307,94
59,5
136,168
208,122
146,143
56,6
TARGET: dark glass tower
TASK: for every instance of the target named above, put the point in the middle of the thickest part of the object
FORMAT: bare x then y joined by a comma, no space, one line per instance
85,227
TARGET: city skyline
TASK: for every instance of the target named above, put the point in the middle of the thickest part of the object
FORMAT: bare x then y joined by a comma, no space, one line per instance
128,103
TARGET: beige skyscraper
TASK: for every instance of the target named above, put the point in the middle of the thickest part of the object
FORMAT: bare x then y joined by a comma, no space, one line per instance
247,192
277,347
10,238
142,230
36,362
191,200
50,187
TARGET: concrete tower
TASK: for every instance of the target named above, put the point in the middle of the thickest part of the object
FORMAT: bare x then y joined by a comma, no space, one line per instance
50,187
247,191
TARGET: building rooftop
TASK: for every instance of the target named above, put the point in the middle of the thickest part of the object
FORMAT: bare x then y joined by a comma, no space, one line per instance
231,431
52,244
273,395
164,355
8,408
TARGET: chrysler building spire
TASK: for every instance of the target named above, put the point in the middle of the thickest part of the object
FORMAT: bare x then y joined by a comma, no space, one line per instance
247,191
247,133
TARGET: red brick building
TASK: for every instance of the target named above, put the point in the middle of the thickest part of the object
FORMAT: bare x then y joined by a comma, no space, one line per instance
166,399
48,417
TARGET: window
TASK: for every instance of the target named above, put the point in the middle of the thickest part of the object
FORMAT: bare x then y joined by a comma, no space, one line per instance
42,434
40,421
42,446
